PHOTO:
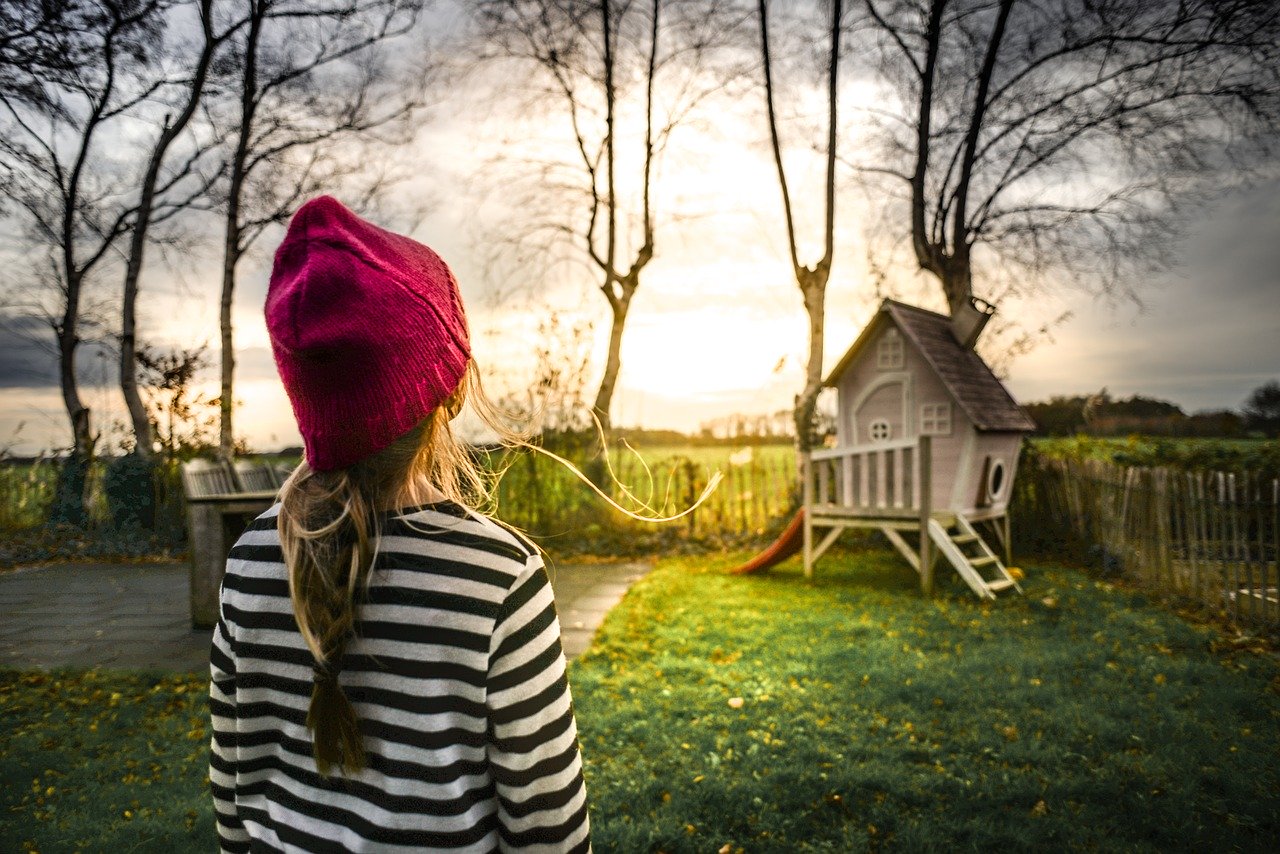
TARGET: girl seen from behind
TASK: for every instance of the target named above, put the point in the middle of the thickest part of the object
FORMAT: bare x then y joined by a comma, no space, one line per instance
387,671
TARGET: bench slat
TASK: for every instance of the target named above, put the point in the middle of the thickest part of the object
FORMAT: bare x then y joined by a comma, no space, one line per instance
253,477
205,477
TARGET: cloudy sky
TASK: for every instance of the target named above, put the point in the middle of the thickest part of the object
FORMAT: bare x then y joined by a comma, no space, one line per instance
717,326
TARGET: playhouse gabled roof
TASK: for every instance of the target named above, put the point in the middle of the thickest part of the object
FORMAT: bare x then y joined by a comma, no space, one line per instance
981,396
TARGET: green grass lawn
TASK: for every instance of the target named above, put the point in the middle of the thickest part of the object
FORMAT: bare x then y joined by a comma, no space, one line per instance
869,718
102,761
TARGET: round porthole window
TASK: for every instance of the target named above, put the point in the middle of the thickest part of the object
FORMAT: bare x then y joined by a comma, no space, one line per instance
880,431
995,479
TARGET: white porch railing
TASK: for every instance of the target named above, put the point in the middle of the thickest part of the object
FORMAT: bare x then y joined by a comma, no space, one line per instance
879,477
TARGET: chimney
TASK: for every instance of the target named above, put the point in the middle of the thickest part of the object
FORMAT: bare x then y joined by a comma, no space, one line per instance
968,321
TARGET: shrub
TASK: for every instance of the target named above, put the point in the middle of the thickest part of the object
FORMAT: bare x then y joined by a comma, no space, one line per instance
129,484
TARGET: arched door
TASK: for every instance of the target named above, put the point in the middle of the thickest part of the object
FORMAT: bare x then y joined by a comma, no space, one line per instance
881,413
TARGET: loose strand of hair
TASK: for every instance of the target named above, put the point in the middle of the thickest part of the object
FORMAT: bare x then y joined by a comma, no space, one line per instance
330,529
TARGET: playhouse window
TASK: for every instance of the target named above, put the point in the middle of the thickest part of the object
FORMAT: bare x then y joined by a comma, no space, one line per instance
880,430
935,419
889,354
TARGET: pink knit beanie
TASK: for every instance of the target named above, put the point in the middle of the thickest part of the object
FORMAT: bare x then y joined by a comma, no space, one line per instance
367,329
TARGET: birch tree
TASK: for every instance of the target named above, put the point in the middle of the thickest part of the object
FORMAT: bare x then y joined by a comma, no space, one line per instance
174,123
598,63
811,278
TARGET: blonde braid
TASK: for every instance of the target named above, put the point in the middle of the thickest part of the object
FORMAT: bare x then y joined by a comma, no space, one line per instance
328,565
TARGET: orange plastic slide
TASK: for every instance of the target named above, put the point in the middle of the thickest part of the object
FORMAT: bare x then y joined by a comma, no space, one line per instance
791,541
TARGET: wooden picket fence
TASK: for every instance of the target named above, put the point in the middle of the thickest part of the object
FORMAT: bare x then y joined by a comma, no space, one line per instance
1206,537
753,497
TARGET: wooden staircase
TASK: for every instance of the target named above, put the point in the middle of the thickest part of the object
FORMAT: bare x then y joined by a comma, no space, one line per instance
971,557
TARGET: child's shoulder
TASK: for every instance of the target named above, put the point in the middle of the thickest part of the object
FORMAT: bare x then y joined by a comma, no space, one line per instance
268,518
454,524
513,535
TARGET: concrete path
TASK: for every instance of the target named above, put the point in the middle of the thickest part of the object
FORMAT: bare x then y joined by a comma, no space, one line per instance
585,592
135,616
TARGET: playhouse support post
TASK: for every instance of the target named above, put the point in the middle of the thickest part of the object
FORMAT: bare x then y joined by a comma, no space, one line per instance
1008,539
926,494
806,481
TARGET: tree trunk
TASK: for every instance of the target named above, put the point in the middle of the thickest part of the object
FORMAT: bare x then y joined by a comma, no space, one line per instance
232,247
613,364
813,287
71,498
925,250
619,303
143,434
70,492
144,439
226,434
812,281
957,280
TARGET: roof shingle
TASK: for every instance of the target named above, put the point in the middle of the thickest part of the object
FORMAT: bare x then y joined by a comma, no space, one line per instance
981,396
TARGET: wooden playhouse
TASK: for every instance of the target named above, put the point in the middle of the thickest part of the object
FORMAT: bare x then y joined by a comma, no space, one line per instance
927,444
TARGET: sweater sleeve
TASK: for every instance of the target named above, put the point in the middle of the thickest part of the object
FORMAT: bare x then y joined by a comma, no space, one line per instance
232,836
532,736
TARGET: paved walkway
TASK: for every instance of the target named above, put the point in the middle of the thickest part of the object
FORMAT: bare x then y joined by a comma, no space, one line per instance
135,616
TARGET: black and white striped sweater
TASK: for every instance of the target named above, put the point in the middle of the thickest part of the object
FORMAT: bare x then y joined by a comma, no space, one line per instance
458,678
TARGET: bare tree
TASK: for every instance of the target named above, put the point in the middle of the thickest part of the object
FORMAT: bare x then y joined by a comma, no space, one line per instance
75,204
598,60
40,40
811,279
172,127
311,80
1045,137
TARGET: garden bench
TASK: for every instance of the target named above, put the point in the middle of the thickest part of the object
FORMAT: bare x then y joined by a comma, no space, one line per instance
221,498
